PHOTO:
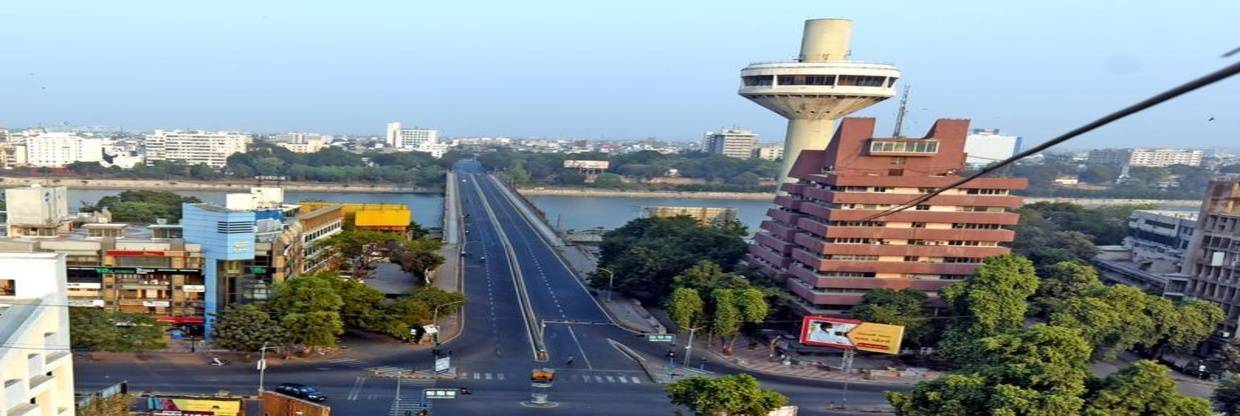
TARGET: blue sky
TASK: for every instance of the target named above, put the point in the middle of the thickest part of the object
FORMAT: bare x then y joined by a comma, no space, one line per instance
603,69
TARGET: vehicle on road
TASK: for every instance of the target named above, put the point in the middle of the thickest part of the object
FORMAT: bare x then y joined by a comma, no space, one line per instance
216,362
301,391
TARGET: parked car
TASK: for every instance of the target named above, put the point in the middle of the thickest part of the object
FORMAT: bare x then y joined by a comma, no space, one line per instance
301,391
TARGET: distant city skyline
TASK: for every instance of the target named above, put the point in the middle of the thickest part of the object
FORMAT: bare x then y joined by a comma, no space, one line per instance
560,70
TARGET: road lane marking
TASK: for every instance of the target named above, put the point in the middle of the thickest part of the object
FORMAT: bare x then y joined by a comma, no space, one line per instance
637,380
477,376
500,376
610,379
585,379
488,376
598,378
579,348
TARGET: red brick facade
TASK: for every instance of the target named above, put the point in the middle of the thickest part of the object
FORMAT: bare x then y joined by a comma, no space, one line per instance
819,238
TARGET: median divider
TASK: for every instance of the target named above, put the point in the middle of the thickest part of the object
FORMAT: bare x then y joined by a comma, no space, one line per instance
523,297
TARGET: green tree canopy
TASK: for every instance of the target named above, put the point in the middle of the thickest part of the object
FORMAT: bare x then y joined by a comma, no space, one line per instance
905,307
647,253
1143,389
1061,282
685,307
100,330
144,207
1227,397
993,300
246,328
732,395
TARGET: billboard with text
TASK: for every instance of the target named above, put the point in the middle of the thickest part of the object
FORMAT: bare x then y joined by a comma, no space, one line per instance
851,334
587,164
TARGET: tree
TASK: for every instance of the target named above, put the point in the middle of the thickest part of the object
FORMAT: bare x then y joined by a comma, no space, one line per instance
685,307
732,309
1036,371
418,256
99,330
114,405
144,207
905,307
994,299
731,395
1143,389
1227,397
706,275
309,309
246,328
358,303
1063,281
647,253
313,329
1112,319
1099,174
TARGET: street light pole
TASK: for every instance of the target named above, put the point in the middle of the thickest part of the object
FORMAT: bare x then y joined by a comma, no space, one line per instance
435,319
689,346
610,277
262,367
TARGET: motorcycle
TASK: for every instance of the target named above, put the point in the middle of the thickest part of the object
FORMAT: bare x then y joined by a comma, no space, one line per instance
217,362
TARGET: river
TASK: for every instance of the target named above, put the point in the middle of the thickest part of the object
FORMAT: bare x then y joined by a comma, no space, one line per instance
612,212
427,208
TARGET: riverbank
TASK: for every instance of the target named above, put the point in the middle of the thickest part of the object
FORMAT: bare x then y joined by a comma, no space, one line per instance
231,185
605,193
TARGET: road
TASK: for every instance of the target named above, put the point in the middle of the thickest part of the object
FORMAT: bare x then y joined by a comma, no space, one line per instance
495,352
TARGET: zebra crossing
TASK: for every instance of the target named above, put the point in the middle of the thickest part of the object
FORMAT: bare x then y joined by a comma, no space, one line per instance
348,362
583,378
362,365
408,398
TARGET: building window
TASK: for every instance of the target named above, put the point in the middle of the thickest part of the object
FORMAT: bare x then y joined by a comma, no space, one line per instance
8,287
923,207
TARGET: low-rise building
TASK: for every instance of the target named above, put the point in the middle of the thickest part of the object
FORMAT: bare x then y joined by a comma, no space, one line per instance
771,152
702,214
36,363
37,211
318,225
734,143
54,150
376,217
1147,157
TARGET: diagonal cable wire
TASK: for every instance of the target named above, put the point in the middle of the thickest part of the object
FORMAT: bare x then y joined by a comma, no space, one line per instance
1182,89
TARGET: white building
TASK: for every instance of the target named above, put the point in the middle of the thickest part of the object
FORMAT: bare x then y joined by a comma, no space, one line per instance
38,376
37,211
735,143
195,147
53,150
410,139
771,152
986,146
302,142
1147,157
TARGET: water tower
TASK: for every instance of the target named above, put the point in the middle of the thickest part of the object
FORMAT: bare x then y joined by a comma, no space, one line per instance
817,88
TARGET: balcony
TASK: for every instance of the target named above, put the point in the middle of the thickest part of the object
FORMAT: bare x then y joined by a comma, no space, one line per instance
765,253
920,233
1000,218
782,231
819,281
786,217
788,202
818,298
774,243
1006,201
54,360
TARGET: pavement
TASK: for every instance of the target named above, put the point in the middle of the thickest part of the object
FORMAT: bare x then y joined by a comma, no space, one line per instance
610,373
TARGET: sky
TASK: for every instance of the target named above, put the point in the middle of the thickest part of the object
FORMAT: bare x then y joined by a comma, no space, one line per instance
605,69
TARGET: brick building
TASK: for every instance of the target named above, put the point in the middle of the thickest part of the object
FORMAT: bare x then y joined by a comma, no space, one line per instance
820,237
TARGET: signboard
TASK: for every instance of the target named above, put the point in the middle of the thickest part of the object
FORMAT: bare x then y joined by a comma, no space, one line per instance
442,364
851,334
76,285
140,253
262,364
587,164
258,269
98,303
194,288
119,270
661,337
439,393
194,406
155,303
431,329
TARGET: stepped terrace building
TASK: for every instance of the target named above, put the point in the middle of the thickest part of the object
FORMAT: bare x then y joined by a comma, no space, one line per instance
822,239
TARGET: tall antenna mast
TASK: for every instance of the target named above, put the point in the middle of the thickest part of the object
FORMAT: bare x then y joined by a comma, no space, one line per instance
900,113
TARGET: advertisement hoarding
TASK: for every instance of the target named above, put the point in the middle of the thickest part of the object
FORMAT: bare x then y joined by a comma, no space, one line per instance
587,164
851,334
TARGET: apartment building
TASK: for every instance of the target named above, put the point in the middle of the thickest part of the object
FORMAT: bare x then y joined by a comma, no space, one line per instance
1212,261
54,150
37,211
824,240
37,365
195,147
770,152
734,143
1147,157
318,225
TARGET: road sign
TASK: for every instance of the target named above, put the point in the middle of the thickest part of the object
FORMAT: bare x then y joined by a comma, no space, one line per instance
262,364
443,363
851,334
431,329
432,394
661,337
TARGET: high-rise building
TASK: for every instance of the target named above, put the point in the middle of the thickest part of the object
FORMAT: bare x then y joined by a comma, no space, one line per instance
734,143
195,147
37,211
824,240
770,152
410,139
54,150
36,362
1212,261
817,88
1147,157
986,146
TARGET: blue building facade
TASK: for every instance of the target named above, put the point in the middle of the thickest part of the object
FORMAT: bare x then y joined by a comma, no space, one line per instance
227,238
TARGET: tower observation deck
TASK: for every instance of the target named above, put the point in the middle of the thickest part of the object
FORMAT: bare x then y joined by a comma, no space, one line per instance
817,88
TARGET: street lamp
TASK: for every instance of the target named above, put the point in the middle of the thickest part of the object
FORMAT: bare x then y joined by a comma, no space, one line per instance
262,367
610,276
689,346
435,319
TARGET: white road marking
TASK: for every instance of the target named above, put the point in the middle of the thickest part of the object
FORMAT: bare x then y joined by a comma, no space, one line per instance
611,379
637,380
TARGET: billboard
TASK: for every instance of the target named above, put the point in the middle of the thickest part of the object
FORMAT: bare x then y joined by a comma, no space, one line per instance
587,164
851,334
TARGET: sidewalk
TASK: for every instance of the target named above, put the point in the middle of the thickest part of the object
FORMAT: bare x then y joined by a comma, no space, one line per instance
449,278
759,360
